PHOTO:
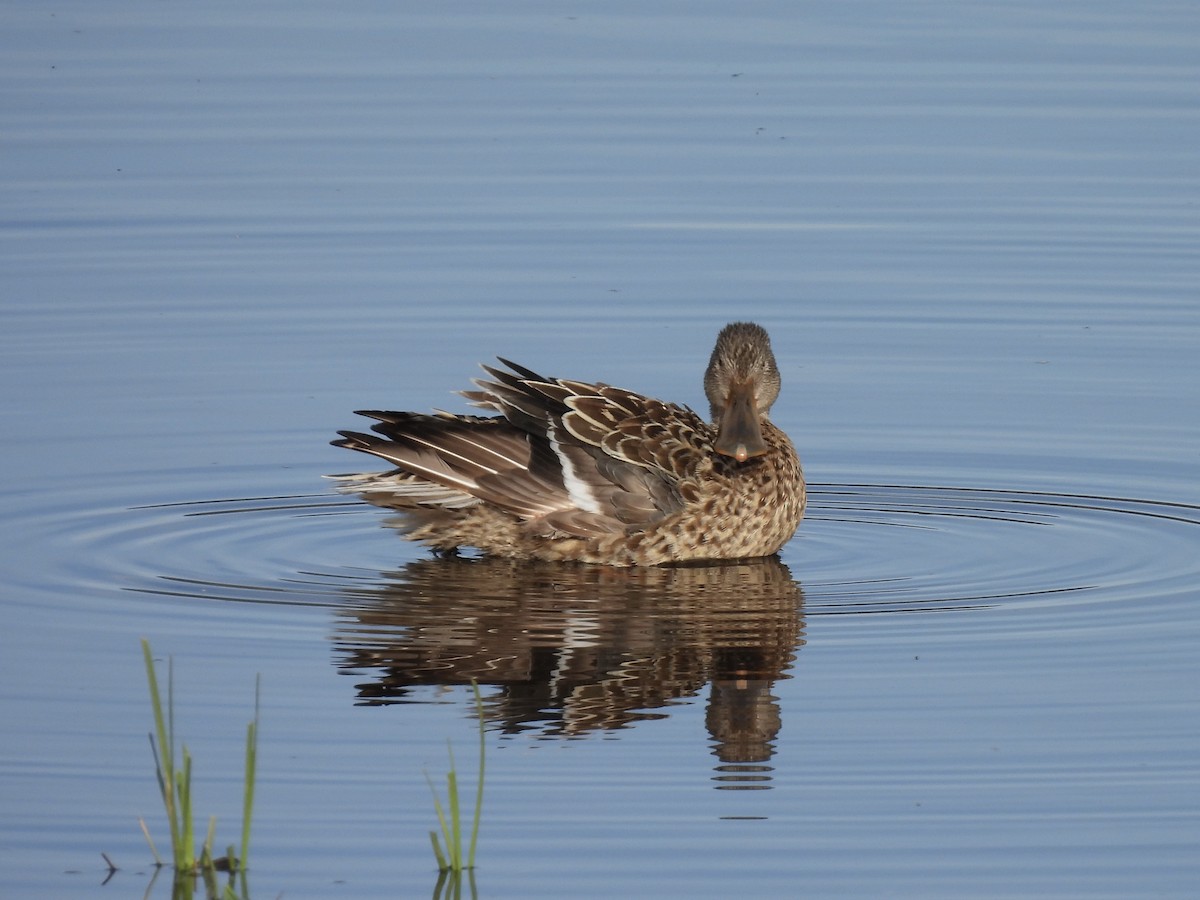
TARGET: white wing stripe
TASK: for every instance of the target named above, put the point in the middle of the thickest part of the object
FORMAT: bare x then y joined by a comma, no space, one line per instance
577,489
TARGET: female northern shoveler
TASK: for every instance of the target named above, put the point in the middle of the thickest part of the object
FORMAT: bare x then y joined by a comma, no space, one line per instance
576,471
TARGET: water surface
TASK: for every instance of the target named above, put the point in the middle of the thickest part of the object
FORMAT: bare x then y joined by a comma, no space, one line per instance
972,233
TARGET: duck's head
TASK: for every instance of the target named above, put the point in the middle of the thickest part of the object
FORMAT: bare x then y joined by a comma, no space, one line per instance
742,381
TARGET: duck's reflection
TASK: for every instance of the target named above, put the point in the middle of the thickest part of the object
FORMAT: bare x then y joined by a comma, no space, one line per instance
576,649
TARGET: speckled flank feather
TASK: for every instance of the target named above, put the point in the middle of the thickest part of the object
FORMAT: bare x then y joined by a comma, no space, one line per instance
572,470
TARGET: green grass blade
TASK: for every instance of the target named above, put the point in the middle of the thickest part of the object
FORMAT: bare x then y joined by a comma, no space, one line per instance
164,757
251,769
455,848
437,805
450,815
185,850
206,853
437,851
159,774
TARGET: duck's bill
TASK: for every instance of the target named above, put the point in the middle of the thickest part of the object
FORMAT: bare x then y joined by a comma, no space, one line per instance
740,435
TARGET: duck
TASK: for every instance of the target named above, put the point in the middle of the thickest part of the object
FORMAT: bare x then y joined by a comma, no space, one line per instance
579,471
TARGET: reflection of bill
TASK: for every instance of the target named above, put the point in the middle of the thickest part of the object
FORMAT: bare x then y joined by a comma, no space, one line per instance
577,648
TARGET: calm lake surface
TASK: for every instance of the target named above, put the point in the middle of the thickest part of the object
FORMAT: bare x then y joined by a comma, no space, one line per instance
973,231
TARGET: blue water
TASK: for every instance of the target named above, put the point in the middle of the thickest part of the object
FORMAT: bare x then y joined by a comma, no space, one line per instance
972,232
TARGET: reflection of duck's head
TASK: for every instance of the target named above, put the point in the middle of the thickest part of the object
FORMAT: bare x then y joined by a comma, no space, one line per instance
574,648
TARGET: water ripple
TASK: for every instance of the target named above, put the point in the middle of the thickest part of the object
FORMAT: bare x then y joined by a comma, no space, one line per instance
576,649
863,548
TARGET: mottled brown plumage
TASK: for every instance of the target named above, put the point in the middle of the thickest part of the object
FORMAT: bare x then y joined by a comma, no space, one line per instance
572,470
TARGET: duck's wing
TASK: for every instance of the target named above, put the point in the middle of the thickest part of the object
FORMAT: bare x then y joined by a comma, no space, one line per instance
625,458
671,441
568,457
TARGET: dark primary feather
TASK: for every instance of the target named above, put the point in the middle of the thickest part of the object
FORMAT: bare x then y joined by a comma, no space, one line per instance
483,457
